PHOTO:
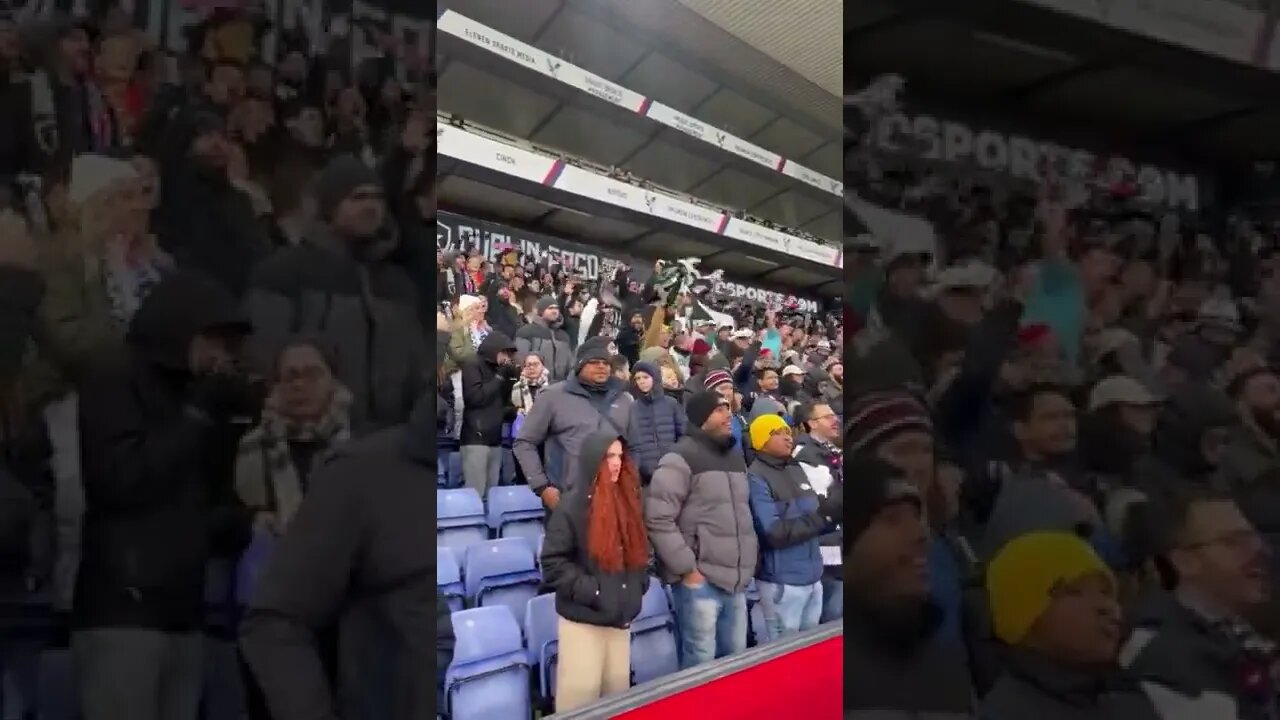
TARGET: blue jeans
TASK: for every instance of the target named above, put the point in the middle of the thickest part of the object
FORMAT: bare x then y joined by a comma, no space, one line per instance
789,608
711,623
832,599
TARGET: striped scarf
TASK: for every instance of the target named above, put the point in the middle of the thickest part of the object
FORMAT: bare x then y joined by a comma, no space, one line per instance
266,479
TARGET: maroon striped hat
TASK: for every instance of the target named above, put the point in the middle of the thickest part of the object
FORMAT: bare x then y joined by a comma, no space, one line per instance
875,417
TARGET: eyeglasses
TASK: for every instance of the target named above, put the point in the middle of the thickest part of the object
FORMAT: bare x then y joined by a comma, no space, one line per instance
820,418
1232,540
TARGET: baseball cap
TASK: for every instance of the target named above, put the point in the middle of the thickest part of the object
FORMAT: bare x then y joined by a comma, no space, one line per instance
1120,390
791,370
742,334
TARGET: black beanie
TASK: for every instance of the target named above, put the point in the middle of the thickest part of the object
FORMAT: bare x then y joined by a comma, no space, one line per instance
871,485
339,179
701,405
595,348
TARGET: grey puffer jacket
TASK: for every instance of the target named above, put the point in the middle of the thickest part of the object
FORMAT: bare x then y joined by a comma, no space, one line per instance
550,344
565,415
698,514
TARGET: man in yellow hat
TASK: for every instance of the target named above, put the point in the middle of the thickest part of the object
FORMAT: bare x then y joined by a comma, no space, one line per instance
790,517
1053,603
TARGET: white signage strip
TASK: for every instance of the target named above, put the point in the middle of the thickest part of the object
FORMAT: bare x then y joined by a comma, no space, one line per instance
1222,28
535,167
521,53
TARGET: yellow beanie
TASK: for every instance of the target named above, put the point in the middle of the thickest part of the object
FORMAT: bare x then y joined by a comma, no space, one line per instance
1022,576
762,427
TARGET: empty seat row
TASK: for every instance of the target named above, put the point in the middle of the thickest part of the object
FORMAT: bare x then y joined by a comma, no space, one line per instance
463,519
487,679
494,572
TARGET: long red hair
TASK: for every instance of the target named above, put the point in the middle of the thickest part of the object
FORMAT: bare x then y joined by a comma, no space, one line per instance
616,538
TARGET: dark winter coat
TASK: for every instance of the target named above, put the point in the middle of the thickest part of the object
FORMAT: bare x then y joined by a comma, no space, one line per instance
158,478
657,422
486,392
585,593
785,511
367,310
355,549
1038,688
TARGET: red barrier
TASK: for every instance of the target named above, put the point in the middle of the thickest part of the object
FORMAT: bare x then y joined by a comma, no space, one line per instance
808,683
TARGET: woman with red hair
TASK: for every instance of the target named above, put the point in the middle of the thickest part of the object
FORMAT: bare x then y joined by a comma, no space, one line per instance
595,557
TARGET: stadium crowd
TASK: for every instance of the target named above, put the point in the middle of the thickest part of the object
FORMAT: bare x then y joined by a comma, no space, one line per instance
667,434
1067,415
210,265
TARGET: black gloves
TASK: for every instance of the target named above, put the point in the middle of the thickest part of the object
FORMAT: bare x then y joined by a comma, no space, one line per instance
223,396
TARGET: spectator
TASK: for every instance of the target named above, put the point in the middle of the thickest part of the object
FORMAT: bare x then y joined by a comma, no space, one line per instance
534,378
906,665
789,518
1252,448
469,328
595,556
1190,645
721,383
157,444
823,464
546,337
566,414
338,286
656,422
487,382
100,267
306,416
204,221
1054,602
27,489
355,544
699,521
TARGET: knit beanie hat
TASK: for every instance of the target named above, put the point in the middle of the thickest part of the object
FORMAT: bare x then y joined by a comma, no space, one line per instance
339,179
871,485
595,348
874,418
466,301
544,302
701,405
1022,576
763,427
716,378
649,369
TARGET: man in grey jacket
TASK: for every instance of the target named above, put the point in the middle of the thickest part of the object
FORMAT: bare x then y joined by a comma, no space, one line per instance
338,285
546,337
566,414
699,520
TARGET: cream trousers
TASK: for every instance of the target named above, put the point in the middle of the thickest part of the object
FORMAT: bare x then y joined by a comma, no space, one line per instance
593,662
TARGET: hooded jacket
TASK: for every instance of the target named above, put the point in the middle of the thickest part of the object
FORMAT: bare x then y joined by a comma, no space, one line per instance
356,544
585,593
158,479
657,422
698,513
552,344
485,393
366,309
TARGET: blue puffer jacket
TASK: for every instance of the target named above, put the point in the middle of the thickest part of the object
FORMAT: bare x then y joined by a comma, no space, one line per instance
657,422
784,509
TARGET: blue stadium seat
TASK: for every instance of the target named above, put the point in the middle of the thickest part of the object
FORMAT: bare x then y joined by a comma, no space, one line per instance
501,572
460,520
449,578
489,675
653,637
542,627
514,511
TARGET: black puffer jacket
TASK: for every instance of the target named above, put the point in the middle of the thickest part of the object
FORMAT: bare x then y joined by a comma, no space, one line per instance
486,392
585,593
159,499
